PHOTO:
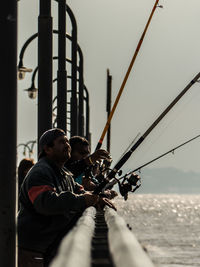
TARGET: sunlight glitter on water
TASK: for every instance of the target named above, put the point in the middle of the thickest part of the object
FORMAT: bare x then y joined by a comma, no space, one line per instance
167,225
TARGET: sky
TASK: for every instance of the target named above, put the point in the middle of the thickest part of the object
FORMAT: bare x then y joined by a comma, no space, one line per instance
108,33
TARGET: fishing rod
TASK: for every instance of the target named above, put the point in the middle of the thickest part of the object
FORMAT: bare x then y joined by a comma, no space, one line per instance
126,76
127,155
149,130
132,180
134,140
164,154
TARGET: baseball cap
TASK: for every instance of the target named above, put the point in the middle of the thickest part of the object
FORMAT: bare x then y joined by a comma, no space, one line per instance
47,139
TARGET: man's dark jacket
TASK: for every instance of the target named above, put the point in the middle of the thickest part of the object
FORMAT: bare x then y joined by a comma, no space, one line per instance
49,201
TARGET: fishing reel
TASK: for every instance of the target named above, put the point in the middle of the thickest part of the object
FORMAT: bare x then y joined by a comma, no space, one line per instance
101,168
131,182
98,171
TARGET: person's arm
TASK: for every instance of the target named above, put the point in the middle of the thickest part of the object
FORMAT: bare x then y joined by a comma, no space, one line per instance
46,200
79,166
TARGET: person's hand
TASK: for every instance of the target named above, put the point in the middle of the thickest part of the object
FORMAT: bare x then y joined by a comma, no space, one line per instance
98,155
88,184
109,194
97,201
90,199
112,193
102,202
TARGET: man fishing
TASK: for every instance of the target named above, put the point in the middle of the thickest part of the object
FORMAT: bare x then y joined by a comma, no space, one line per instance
80,152
50,202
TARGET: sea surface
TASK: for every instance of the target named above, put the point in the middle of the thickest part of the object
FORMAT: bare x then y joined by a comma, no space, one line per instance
167,226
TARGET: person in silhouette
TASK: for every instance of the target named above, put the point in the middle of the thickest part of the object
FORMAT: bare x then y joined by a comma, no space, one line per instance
50,202
80,151
24,166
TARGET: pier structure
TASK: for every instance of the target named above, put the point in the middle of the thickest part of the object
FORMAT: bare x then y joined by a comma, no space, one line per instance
71,110
101,239
72,104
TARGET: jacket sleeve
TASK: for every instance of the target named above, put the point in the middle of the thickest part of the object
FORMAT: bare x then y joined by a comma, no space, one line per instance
46,200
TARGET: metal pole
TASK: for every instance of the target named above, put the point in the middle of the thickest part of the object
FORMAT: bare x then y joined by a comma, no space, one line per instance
8,111
108,106
44,67
81,88
62,73
87,124
74,111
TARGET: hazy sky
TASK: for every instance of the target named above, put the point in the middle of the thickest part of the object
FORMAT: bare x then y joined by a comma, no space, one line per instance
108,33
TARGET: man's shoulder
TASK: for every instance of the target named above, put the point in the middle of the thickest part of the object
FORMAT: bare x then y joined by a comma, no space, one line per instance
41,172
42,167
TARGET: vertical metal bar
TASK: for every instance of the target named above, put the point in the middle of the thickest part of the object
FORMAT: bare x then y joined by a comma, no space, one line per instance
44,67
74,111
81,87
8,111
108,106
88,135
62,73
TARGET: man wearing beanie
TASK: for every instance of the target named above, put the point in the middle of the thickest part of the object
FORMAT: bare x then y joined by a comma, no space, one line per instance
50,201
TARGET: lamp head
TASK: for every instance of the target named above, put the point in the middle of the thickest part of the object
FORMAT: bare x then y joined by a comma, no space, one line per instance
32,92
22,71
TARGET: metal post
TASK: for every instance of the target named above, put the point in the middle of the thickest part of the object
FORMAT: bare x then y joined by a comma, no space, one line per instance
108,106
88,134
74,112
62,73
44,67
8,111
81,88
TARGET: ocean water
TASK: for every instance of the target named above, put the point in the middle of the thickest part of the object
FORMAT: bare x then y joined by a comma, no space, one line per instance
167,226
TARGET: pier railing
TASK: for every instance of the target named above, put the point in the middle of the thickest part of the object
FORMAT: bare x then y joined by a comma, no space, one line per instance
101,239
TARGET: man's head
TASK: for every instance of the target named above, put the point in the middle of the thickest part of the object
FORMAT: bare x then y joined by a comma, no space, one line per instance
55,145
80,147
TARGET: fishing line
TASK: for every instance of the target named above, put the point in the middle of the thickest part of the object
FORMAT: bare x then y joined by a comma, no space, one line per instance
134,140
175,118
152,126
124,159
126,76
162,155
133,179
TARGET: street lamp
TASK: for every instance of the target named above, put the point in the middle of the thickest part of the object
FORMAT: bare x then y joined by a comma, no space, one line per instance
76,114
22,71
32,91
